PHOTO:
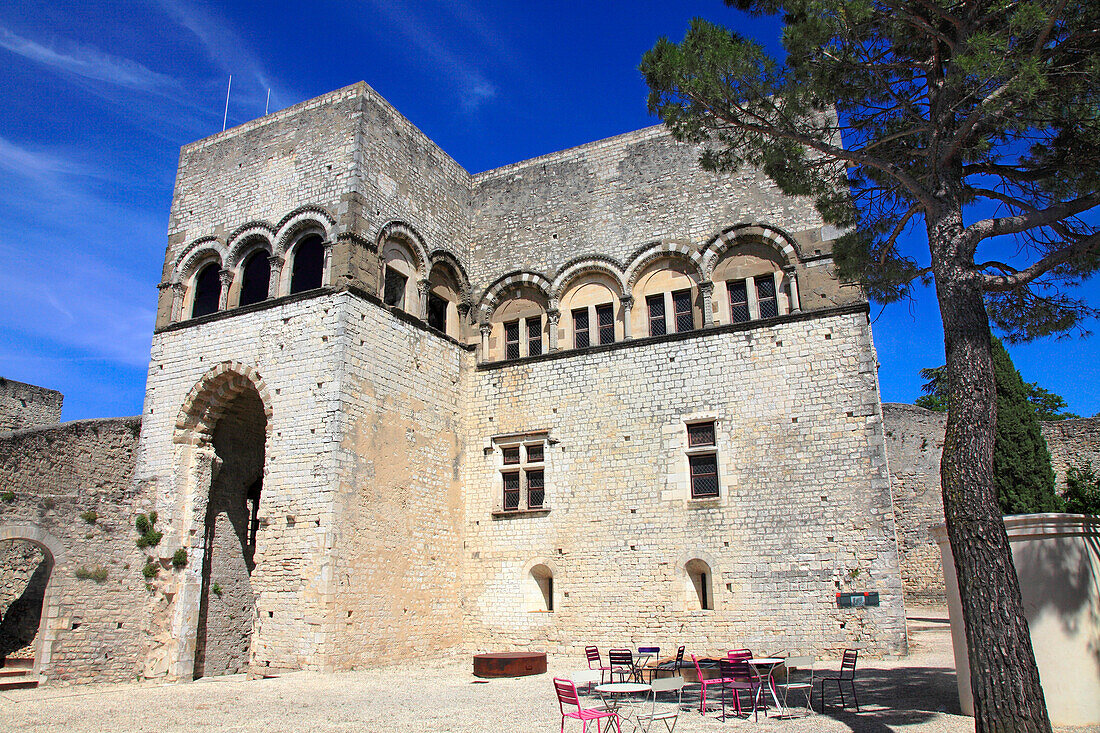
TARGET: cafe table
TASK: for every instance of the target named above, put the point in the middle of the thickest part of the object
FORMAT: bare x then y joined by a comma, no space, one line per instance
764,668
617,697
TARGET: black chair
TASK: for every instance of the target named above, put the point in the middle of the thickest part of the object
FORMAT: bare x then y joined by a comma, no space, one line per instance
622,664
674,666
847,674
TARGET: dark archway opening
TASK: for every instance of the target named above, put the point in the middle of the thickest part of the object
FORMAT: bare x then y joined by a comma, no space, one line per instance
227,603
255,278
24,575
208,288
309,264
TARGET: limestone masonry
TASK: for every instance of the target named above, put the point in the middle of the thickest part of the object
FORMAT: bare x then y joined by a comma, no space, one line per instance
395,409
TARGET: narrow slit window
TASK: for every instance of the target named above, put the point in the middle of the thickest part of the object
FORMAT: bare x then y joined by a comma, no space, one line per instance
534,335
655,305
605,318
681,303
739,301
765,295
511,340
580,328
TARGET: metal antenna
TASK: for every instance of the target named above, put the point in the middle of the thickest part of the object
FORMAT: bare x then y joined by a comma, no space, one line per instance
267,104
226,115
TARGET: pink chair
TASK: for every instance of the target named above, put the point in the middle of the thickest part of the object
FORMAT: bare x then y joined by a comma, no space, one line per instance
593,655
567,695
705,684
739,654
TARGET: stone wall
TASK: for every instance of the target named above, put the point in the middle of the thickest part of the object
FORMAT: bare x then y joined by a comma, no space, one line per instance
27,406
73,496
804,510
914,441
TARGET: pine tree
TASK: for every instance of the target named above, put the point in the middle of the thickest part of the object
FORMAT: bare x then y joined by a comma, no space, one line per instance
1021,462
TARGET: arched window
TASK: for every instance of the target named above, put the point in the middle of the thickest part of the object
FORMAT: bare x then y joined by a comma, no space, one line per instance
208,288
666,295
519,325
543,578
443,299
701,583
399,276
256,276
590,312
309,264
750,283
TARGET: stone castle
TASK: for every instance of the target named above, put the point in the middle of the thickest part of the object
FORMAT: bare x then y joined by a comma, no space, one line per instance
394,409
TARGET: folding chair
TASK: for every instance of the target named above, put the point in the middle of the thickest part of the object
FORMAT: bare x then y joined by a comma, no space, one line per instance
645,654
567,695
593,655
847,674
663,712
800,678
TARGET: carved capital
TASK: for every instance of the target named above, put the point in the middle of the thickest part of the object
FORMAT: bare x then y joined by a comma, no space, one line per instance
627,302
553,316
226,276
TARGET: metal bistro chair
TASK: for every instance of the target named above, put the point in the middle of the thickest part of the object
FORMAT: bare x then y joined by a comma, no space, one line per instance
704,684
593,655
567,696
645,654
737,675
675,665
622,664
800,678
663,711
847,674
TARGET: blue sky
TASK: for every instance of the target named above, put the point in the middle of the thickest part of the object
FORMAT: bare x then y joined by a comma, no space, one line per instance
98,98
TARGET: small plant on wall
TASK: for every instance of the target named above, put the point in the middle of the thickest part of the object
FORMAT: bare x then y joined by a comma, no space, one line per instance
179,559
90,516
148,535
98,573
7,496
151,569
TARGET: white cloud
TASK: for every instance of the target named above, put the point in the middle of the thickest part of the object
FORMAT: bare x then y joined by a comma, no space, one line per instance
87,62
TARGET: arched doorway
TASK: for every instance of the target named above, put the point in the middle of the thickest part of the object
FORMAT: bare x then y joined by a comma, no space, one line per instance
221,434
24,575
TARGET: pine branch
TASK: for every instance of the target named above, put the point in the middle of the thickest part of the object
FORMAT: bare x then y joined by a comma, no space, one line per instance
1013,278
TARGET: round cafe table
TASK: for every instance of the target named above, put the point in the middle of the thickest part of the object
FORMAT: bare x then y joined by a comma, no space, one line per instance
614,694
764,667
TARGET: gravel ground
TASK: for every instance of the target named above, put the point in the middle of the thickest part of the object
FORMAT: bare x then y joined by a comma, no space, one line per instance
916,693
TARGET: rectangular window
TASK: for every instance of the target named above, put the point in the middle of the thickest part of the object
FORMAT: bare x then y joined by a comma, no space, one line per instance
534,335
511,490
703,460
580,328
765,295
605,318
681,305
739,301
511,340
523,472
394,293
437,312
655,304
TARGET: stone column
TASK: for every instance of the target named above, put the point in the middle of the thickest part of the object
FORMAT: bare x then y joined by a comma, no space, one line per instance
754,303
326,268
552,318
486,329
276,264
792,284
179,290
706,294
226,276
422,290
463,313
627,303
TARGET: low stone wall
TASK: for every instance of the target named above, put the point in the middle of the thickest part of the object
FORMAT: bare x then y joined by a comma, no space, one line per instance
27,406
69,491
914,442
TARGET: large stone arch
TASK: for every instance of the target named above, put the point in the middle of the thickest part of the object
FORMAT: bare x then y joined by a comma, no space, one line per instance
196,253
246,238
411,238
441,256
493,294
300,221
56,557
774,238
223,392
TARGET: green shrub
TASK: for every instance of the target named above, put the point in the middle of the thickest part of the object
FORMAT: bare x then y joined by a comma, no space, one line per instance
179,559
90,516
7,497
150,570
1082,494
216,590
149,536
98,573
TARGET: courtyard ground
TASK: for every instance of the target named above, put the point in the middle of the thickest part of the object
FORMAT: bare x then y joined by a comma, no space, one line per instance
916,693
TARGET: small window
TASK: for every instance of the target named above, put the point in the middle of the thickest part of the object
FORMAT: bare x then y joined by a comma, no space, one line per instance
208,288
739,301
394,292
605,318
511,340
534,335
309,264
523,473
681,304
580,328
544,579
699,578
256,276
702,460
765,295
655,304
437,312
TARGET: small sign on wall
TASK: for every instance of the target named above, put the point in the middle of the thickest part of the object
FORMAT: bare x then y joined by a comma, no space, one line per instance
856,600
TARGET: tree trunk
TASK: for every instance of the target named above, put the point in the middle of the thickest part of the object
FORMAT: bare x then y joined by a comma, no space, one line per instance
1003,674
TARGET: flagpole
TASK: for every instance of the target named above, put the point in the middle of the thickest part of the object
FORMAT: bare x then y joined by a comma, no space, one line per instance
226,115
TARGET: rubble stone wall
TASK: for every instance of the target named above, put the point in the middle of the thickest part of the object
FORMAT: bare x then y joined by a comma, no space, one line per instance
27,406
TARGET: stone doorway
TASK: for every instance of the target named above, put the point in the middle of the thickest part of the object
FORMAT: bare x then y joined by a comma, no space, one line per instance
227,604
25,569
